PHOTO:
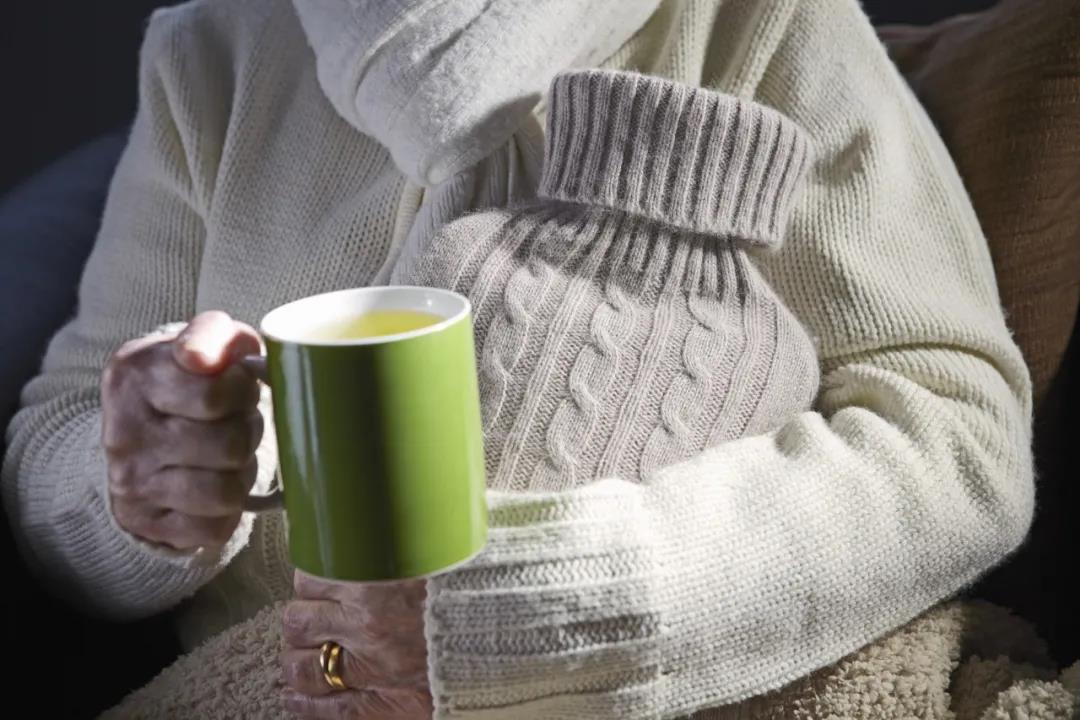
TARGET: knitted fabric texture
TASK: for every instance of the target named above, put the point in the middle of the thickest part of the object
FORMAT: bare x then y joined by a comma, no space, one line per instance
932,668
621,325
721,577
1003,88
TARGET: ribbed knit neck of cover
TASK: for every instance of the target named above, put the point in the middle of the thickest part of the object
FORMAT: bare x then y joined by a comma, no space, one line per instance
693,159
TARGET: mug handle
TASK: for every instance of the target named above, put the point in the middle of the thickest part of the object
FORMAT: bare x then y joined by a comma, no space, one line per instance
275,500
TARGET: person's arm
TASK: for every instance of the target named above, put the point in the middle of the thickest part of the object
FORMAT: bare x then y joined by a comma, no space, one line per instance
141,275
765,558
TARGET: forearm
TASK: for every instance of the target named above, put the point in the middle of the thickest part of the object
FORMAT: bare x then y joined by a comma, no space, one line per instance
745,568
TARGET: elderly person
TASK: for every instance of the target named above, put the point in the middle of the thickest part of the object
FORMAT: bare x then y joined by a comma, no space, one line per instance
283,149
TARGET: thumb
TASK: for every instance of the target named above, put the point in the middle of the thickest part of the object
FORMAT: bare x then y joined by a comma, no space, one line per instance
212,341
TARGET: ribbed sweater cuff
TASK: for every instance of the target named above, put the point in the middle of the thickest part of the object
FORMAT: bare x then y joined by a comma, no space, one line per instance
76,543
558,617
690,158
82,551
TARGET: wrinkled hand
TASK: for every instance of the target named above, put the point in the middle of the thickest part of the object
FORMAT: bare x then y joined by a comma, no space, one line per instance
180,425
381,630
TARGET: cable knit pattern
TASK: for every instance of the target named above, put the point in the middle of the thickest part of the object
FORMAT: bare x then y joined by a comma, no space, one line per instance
618,297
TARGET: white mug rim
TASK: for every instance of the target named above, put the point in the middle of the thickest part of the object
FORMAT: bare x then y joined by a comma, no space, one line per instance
342,301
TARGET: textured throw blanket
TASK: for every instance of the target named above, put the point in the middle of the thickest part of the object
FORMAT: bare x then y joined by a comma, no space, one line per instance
959,661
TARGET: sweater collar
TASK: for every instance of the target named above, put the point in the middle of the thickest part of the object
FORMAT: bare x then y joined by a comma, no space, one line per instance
442,83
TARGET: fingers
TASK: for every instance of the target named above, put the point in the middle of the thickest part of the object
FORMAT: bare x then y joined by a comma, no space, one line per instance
138,346
407,593
383,645
310,623
184,508
171,390
188,532
200,492
382,704
212,341
180,427
217,445
302,671
173,529
145,371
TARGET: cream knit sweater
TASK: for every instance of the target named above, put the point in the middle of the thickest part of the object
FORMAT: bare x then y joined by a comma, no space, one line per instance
716,578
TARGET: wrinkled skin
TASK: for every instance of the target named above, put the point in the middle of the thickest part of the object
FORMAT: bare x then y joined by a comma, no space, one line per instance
180,426
380,627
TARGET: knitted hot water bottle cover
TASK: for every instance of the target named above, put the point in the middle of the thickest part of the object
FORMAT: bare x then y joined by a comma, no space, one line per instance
621,324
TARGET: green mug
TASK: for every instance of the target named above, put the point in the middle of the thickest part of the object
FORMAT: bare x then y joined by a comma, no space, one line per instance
379,438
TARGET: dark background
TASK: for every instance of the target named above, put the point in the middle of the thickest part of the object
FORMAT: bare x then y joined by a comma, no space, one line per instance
68,69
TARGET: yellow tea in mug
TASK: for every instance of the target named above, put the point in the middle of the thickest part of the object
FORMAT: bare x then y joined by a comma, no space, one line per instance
375,324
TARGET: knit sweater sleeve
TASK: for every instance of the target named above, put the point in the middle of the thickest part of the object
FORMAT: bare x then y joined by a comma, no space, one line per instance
140,276
765,558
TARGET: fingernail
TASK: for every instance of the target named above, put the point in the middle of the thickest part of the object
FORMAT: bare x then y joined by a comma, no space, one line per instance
202,351
195,358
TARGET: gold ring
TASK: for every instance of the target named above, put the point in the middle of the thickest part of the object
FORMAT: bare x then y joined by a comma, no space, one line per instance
330,662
